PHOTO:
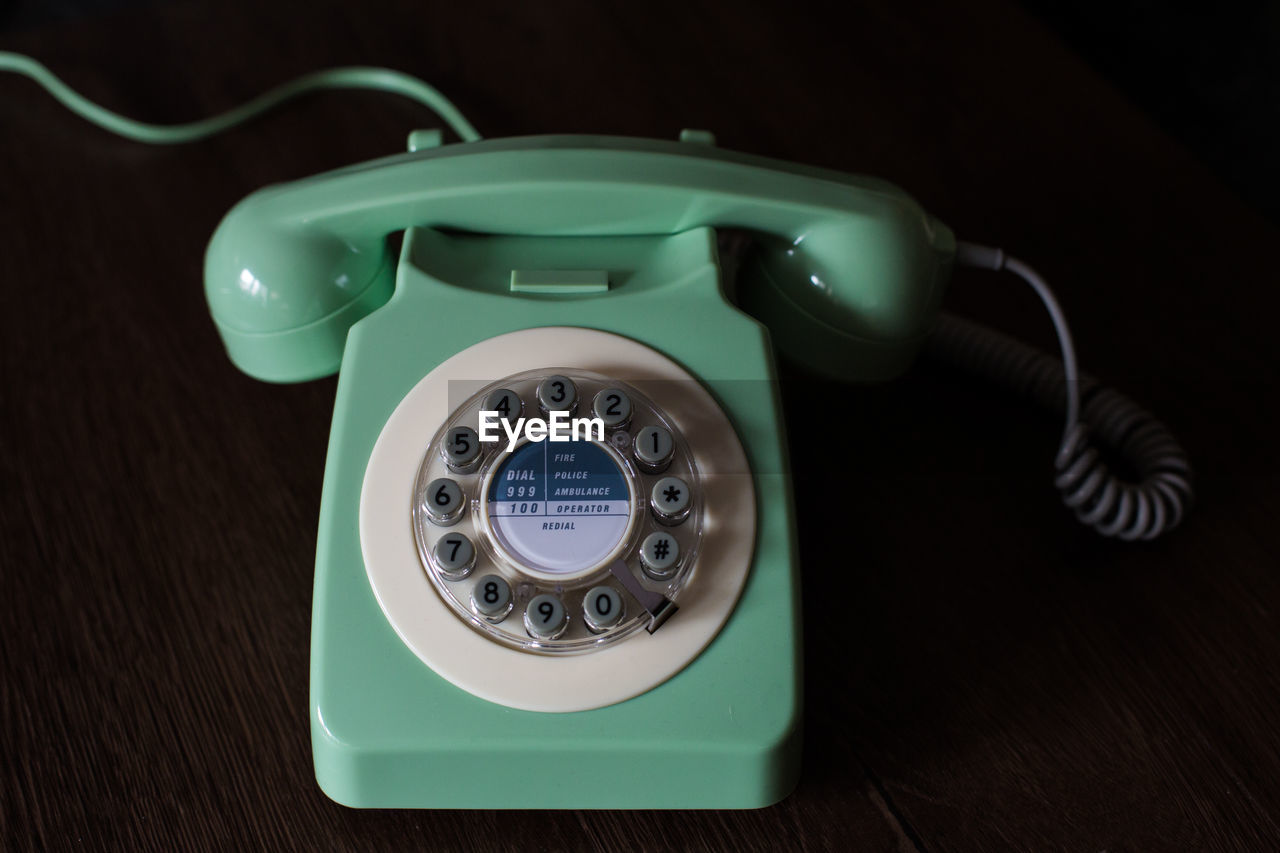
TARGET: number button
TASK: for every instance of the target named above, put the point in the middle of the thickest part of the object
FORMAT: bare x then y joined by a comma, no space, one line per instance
444,501
613,407
602,608
670,500
461,450
491,598
506,403
545,617
454,556
653,448
557,394
660,555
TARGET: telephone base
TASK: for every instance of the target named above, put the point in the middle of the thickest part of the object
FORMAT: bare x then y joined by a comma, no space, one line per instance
388,731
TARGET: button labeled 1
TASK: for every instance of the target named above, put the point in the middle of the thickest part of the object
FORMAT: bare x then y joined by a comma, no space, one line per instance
654,448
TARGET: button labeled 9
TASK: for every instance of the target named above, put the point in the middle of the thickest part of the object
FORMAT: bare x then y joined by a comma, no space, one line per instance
545,617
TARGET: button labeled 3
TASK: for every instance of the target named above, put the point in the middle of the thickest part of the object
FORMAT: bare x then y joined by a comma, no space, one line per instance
557,393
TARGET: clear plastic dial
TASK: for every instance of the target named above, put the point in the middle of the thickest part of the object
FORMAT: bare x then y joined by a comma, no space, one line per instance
557,518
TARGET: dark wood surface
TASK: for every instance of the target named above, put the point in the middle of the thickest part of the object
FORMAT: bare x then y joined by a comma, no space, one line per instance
985,676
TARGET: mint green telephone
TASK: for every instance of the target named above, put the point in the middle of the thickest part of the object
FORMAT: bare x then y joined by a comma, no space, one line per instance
605,623
557,563
604,620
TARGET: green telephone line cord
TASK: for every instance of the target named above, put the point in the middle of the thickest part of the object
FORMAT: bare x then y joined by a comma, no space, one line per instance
380,79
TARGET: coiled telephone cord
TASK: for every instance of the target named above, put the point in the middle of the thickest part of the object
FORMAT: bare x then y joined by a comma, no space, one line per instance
1149,503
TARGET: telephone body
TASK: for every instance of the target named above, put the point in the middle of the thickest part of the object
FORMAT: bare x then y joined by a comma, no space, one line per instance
474,647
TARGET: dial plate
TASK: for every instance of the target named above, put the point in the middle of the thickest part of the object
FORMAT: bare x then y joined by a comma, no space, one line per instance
557,517
559,507
506,673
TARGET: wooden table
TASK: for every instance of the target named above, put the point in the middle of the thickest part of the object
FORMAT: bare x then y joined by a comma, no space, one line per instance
993,677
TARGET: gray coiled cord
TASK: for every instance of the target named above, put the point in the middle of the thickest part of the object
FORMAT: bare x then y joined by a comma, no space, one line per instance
1147,506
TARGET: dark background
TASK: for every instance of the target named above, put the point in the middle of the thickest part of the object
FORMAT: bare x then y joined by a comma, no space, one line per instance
981,673
1208,74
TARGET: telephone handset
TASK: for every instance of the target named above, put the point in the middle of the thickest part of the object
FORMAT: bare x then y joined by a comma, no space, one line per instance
848,270
610,621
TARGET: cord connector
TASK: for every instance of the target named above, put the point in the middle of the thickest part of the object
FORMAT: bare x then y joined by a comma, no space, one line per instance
982,257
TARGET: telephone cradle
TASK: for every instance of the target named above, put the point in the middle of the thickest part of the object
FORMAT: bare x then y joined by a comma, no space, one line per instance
608,621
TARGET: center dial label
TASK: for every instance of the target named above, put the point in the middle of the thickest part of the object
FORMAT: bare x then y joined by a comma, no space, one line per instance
559,507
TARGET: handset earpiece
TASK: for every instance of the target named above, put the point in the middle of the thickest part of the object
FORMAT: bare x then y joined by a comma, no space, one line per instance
283,294
848,274
851,300
278,325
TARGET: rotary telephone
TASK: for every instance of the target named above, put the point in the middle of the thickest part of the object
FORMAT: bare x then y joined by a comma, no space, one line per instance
557,563
602,622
